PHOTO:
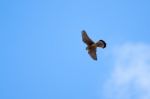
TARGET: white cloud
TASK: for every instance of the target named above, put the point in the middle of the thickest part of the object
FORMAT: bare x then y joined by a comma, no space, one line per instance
130,78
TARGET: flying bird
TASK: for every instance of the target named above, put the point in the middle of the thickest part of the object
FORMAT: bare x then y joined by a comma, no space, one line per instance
91,45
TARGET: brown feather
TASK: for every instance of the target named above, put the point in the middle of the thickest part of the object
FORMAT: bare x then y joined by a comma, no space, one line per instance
92,53
86,38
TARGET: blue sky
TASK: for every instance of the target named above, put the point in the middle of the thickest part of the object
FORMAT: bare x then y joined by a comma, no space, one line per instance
43,56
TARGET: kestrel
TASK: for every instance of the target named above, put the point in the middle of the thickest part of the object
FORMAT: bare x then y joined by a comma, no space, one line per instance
92,46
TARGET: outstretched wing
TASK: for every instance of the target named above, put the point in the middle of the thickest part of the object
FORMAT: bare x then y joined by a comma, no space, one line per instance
92,53
86,39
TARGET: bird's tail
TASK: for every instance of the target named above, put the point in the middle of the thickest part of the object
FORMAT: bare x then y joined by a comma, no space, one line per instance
101,43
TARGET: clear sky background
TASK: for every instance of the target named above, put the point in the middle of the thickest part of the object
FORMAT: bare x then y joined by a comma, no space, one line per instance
42,55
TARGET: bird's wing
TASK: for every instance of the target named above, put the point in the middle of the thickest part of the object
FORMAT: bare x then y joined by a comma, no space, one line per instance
86,39
92,53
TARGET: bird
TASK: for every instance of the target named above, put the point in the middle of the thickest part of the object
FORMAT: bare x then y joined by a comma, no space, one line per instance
91,45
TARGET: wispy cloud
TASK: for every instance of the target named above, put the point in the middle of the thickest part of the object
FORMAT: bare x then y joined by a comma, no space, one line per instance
130,78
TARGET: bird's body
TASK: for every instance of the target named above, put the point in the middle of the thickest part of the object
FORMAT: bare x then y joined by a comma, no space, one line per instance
92,46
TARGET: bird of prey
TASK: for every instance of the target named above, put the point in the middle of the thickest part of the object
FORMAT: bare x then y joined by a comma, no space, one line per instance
92,46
